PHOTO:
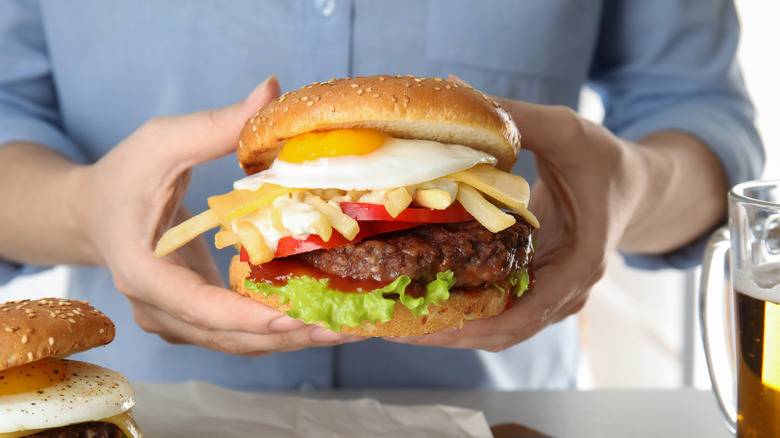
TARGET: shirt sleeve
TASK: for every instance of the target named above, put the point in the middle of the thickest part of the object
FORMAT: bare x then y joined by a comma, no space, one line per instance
670,65
28,101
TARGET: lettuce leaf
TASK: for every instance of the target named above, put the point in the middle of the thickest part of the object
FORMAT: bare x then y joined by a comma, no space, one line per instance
312,301
519,280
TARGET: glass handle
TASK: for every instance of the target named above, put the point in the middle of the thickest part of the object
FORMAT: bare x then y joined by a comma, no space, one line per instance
716,308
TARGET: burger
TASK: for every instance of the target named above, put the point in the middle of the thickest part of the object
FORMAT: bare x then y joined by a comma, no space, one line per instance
376,206
43,395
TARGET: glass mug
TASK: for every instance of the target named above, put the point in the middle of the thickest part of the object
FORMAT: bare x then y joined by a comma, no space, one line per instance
740,317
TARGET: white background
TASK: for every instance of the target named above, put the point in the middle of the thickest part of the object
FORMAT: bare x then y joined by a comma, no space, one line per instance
638,327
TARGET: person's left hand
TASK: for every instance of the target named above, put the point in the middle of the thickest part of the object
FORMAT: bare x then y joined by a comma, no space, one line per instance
590,185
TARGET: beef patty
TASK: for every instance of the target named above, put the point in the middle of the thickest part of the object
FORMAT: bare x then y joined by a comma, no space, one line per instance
473,253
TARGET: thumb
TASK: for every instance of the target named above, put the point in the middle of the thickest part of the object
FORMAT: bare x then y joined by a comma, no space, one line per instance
214,133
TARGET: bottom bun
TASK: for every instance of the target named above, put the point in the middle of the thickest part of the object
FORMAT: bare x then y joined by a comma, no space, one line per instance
463,305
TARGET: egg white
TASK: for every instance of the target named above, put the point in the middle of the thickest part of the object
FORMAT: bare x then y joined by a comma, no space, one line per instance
397,163
90,393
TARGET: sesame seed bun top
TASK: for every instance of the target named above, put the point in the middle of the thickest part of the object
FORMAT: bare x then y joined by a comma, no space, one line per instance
400,106
33,330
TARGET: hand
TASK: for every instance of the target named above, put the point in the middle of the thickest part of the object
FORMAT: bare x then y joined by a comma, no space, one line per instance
590,185
133,194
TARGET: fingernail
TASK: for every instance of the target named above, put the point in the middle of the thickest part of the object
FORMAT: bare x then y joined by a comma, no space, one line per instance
322,335
260,88
285,324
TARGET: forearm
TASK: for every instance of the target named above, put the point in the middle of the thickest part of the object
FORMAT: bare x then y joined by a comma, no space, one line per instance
37,220
684,194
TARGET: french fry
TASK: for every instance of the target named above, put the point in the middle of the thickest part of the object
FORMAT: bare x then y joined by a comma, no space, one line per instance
276,217
437,199
226,237
237,203
510,189
254,243
344,224
397,200
179,235
323,228
490,216
354,195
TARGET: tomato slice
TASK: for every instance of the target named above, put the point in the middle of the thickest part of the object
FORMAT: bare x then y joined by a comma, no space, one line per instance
376,212
290,245
374,219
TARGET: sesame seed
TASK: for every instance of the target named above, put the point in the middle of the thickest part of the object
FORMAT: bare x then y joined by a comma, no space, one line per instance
305,98
52,314
381,78
25,339
101,331
6,309
417,80
51,341
375,95
495,104
287,108
70,314
332,108
353,85
271,123
438,79
394,99
281,99
316,98
31,315
30,356
449,87
360,91
9,329
309,103
437,88
71,320
370,89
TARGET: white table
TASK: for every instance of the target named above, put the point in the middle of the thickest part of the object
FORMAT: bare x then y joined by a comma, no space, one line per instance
683,413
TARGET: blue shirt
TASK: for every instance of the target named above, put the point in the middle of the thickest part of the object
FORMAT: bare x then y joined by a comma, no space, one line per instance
81,78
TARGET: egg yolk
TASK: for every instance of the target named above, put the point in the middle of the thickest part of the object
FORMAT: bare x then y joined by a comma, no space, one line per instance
33,376
314,145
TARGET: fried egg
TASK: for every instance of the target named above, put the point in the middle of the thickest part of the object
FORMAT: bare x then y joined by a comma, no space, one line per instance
51,393
362,159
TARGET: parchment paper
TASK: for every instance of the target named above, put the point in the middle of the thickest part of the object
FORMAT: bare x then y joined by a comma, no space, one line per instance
196,409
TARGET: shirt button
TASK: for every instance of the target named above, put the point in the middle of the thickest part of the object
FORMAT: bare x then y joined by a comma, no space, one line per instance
325,7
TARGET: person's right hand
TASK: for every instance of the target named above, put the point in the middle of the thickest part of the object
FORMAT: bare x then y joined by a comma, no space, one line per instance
133,194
